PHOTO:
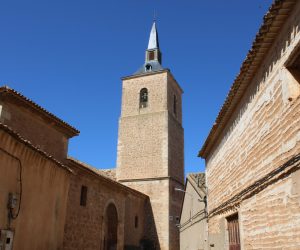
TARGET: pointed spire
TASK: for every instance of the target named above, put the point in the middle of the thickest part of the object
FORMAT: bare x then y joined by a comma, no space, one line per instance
153,40
153,54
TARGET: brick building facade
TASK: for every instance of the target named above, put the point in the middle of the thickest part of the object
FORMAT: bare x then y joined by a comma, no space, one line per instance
87,211
252,151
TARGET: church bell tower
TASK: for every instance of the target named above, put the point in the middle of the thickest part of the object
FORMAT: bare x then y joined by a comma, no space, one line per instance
150,155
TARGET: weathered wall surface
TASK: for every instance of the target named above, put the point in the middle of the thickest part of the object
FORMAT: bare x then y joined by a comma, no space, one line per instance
143,146
193,230
262,134
143,133
40,223
85,224
175,131
32,127
150,151
272,217
157,220
160,224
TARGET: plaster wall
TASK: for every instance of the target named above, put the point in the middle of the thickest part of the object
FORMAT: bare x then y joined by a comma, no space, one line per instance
193,229
43,188
32,127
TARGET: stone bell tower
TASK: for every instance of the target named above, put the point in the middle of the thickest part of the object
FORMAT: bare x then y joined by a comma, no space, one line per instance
150,144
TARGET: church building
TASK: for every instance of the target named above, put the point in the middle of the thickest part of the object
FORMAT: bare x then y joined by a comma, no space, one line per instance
134,206
150,144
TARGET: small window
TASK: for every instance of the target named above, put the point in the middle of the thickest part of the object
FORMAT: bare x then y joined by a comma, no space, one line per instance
83,196
175,105
136,222
293,82
151,55
148,67
294,67
144,98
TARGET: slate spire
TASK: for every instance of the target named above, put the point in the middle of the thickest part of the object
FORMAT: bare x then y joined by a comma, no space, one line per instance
153,39
153,52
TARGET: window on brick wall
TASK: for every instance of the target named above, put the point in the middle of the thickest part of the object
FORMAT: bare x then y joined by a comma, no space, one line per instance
83,196
175,105
291,90
294,67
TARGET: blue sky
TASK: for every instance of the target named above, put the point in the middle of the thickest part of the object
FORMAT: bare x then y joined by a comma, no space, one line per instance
69,56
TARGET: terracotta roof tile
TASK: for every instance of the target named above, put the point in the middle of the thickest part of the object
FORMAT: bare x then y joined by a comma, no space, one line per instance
71,130
30,145
100,174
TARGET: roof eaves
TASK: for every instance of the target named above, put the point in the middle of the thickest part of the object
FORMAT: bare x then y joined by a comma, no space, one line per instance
103,177
145,74
30,145
272,22
71,130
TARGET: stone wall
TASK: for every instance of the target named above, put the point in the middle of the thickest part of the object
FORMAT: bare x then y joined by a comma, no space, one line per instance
160,224
262,135
85,224
150,151
143,132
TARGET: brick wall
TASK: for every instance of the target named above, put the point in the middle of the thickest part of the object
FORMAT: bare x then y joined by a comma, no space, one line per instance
84,227
262,134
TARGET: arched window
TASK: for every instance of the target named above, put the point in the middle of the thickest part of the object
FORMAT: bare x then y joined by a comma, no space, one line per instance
175,105
148,67
143,98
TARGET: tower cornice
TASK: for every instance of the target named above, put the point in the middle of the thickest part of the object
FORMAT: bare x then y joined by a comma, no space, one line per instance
145,74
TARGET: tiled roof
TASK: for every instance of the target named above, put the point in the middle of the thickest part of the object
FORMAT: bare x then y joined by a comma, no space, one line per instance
108,173
30,145
101,175
71,131
155,67
272,23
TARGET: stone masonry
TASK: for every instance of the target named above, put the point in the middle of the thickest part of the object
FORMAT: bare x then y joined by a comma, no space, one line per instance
150,150
251,163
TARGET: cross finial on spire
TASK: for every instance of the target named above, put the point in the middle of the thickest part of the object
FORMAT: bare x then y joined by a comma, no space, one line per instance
154,15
